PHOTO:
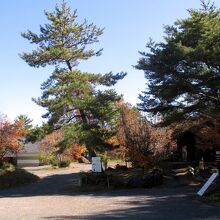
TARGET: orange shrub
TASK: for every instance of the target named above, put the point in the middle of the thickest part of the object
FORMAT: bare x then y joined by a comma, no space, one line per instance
10,137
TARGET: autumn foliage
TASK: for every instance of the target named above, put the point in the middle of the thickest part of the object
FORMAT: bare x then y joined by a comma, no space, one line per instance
75,151
48,143
162,141
134,134
208,135
50,146
10,137
144,143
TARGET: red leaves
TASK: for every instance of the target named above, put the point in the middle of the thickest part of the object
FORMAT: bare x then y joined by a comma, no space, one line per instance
49,142
49,146
75,151
144,143
133,133
208,135
10,136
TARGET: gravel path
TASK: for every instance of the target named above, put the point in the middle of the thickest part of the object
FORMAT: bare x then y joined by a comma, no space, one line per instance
47,200
53,181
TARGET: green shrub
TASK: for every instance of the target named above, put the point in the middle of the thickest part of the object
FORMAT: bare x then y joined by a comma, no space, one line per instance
105,159
42,160
45,159
64,163
54,162
7,167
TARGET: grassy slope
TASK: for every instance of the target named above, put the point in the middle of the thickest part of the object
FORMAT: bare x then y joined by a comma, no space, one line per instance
10,176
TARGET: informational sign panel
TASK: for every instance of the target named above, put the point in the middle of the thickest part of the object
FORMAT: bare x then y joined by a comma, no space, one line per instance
207,184
96,164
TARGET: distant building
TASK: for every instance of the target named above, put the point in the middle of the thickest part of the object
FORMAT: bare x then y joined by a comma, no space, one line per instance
11,157
29,155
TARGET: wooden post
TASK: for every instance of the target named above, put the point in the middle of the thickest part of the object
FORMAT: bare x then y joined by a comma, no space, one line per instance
217,153
108,182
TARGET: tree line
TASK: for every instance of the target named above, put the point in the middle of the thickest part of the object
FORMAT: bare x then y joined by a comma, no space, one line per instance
183,86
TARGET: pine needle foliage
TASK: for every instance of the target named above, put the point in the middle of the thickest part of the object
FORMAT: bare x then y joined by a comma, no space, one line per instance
74,104
183,71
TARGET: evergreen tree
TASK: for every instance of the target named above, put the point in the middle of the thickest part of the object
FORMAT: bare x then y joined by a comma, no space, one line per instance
183,71
86,115
26,123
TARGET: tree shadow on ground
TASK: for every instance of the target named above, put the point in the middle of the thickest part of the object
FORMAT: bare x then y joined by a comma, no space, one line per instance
161,204
58,184
155,203
50,185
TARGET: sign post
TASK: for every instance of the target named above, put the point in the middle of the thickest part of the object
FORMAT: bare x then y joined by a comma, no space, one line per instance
212,177
217,153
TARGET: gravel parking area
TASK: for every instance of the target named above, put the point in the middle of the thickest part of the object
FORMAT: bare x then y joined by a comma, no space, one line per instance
47,200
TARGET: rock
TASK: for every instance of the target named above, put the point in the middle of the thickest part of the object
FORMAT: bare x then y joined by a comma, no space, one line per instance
154,178
158,179
118,181
83,160
135,182
120,167
93,178
109,169
148,180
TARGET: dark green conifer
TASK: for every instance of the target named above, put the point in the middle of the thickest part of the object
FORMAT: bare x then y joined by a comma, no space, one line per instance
183,71
73,103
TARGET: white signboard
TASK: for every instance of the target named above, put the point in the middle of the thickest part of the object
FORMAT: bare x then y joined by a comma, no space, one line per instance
207,184
96,164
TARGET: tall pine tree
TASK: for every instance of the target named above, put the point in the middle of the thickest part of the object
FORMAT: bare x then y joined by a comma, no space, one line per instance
183,72
73,103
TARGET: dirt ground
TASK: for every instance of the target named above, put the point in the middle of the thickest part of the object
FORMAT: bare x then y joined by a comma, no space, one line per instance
47,199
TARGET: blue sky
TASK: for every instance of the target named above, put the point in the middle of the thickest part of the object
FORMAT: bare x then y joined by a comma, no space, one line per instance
128,25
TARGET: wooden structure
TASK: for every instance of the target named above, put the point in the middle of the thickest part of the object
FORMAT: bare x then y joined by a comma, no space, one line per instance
28,156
